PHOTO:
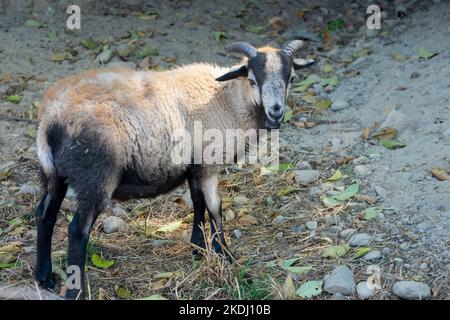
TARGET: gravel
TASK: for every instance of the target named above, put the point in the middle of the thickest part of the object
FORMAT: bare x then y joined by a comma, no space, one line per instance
360,240
306,176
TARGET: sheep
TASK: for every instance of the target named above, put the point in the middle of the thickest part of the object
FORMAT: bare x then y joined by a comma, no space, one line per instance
106,134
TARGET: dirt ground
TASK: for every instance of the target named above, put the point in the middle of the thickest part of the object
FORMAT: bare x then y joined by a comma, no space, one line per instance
363,81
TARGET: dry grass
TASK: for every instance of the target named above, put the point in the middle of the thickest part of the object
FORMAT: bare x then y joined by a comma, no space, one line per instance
147,263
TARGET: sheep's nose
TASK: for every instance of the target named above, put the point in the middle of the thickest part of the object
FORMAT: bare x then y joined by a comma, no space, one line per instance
276,113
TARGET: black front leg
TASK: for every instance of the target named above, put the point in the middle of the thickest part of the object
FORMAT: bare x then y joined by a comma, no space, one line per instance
197,237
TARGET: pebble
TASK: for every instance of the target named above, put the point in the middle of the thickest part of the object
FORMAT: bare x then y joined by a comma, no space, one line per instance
113,224
229,215
104,57
347,233
372,255
380,191
29,188
306,176
311,225
339,105
340,280
187,200
360,240
364,292
158,243
411,290
404,246
122,64
423,266
336,143
304,165
361,170
314,191
240,201
372,33
414,75
119,211
279,219
298,228
237,233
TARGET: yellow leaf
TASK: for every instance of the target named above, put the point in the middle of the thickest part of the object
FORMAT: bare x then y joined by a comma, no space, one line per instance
288,288
336,176
385,134
167,275
10,249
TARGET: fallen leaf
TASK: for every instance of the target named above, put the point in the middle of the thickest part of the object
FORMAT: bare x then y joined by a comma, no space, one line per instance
253,28
425,54
31,23
99,262
219,35
360,53
288,116
333,81
323,104
89,44
366,198
439,174
147,51
392,144
288,288
349,192
285,191
167,228
366,133
345,160
123,293
310,289
13,99
169,59
10,249
305,124
336,176
335,251
385,133
371,213
302,86
361,251
399,57
330,202
327,68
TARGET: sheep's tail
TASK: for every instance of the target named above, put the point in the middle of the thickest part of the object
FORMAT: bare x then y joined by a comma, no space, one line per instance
44,150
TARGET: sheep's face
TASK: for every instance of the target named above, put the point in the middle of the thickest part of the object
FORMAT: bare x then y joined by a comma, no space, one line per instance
269,73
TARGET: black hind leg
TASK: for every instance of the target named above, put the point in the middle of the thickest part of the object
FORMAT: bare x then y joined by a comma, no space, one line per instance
197,237
46,214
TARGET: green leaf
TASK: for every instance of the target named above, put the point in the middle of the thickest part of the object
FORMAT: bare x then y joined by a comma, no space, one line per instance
282,167
323,104
349,192
155,297
392,144
330,202
302,86
288,266
335,25
361,251
99,262
425,54
285,191
288,116
88,44
333,81
327,68
31,23
13,99
360,53
149,16
148,51
335,251
219,35
372,213
310,289
123,293
254,29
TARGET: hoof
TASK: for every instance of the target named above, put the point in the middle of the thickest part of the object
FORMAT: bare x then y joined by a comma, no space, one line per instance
47,282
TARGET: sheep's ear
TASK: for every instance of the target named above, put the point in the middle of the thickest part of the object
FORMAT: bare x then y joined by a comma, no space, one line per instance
302,63
234,73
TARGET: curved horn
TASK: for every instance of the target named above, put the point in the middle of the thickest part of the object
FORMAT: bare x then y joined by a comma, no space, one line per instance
243,48
293,46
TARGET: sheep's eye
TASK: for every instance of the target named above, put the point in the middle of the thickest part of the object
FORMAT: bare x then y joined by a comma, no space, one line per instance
252,82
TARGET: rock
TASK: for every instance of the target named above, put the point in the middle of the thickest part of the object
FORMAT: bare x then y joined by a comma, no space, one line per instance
397,120
113,224
414,75
298,228
158,243
304,165
187,200
423,266
335,143
229,215
404,246
339,105
386,251
306,176
347,233
119,211
372,33
279,219
398,260
340,280
240,201
338,296
311,225
372,255
237,233
380,191
122,64
412,290
364,292
361,170
125,50
315,191
29,188
360,240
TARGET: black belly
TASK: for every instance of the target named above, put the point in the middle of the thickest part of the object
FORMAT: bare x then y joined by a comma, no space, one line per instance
134,186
